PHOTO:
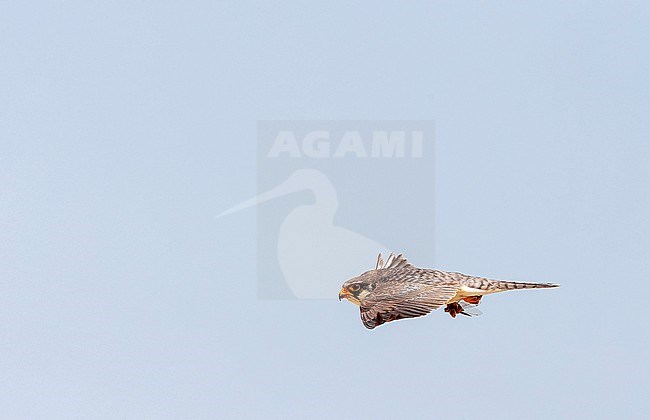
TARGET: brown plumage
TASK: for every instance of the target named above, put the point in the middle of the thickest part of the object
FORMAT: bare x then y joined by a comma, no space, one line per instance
397,289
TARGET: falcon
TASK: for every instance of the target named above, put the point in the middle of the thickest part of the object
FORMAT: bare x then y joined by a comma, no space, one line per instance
396,289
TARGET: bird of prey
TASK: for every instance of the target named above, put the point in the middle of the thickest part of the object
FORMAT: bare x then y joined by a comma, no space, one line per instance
397,289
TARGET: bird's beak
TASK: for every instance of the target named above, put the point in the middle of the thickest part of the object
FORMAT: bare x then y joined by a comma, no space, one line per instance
343,294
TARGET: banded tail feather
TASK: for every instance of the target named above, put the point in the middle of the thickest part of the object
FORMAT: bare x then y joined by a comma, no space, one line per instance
482,283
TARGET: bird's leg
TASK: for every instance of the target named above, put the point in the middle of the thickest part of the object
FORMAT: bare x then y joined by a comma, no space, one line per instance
473,299
453,309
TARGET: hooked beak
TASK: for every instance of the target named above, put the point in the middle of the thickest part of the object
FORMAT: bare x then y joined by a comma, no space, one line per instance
343,294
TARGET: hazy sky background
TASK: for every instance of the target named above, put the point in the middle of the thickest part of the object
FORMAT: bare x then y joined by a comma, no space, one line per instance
125,127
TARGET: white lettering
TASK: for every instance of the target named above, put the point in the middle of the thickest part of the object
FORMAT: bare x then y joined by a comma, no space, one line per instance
351,143
312,147
317,144
284,143
416,144
385,145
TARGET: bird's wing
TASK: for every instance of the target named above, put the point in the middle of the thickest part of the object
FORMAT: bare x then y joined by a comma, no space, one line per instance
396,261
390,305
380,262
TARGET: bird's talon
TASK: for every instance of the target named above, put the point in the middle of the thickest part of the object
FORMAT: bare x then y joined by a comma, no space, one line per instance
454,309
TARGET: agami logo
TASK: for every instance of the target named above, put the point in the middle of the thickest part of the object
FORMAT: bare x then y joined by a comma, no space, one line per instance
332,195
321,144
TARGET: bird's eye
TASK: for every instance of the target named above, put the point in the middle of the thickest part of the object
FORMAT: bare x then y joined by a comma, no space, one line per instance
354,287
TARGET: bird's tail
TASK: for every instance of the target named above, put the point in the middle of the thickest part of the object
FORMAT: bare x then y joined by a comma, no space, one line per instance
500,285
514,285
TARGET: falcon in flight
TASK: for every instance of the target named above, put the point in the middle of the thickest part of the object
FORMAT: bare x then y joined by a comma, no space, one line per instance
397,289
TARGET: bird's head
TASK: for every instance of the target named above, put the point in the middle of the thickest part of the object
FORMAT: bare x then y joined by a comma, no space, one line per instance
356,289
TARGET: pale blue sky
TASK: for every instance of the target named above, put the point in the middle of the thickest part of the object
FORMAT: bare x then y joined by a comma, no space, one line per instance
125,127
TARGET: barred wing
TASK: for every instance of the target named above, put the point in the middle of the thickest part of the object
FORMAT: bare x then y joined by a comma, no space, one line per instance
391,303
